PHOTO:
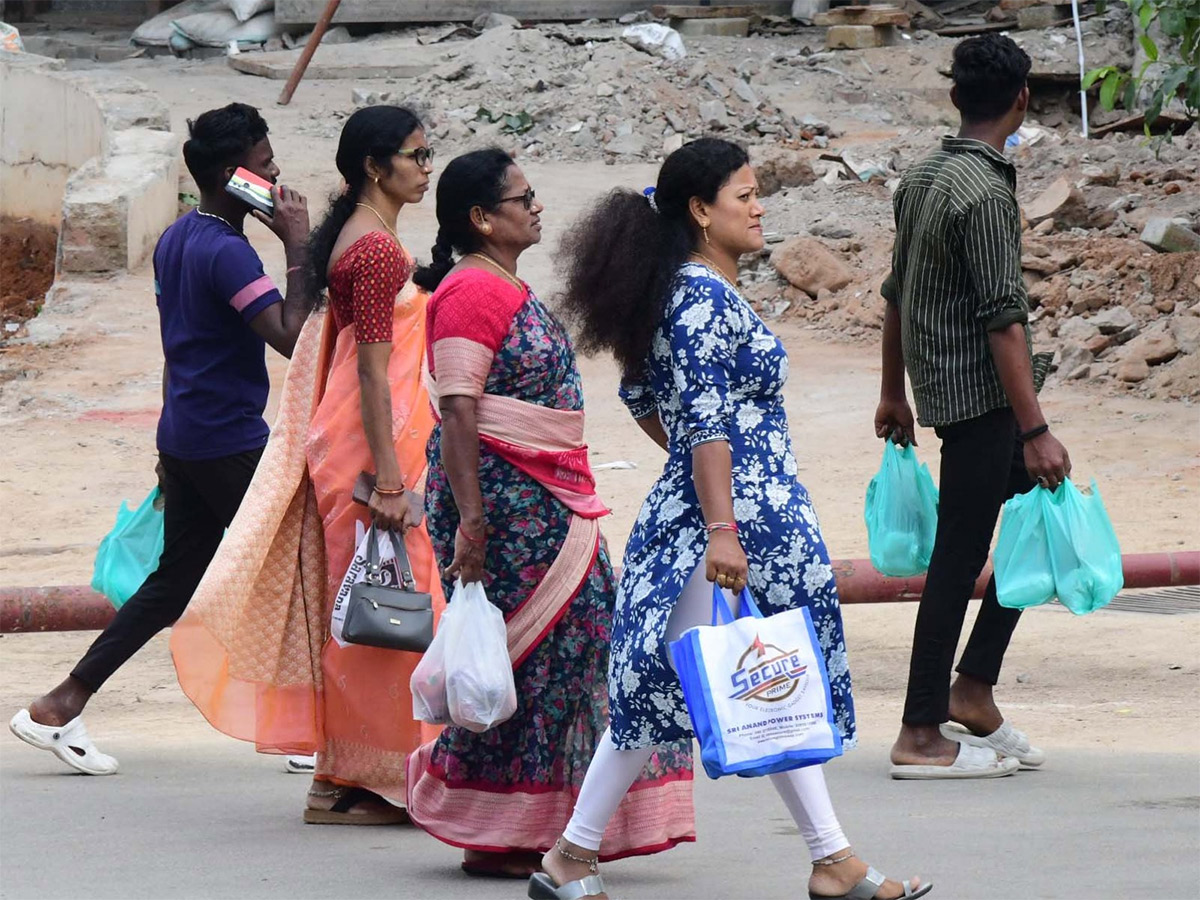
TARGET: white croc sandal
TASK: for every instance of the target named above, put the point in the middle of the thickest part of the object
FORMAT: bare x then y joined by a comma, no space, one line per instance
1005,740
70,743
971,762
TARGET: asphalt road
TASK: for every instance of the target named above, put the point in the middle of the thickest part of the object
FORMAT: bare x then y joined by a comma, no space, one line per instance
210,819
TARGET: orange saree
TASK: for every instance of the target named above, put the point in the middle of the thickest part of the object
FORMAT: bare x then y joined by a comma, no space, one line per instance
252,651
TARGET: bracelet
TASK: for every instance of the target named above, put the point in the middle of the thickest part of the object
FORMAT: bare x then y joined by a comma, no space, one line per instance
468,538
721,526
390,493
1034,432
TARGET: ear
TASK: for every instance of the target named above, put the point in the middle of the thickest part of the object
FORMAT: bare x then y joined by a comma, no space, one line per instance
479,220
227,173
372,169
1022,103
699,211
954,96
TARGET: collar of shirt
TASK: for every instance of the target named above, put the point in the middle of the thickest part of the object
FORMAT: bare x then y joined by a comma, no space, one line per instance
953,144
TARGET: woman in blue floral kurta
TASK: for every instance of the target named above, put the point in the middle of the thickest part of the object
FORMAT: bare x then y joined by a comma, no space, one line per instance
715,373
652,280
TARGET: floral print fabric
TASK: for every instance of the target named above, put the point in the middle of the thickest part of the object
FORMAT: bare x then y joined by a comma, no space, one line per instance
715,372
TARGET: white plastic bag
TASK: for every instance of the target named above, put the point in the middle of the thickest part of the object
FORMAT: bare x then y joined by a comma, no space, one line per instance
428,682
657,40
480,691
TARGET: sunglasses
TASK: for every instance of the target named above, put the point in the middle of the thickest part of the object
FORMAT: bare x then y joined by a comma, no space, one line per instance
526,199
422,156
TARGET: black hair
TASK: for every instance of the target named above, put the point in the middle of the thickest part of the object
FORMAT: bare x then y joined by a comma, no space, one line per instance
989,72
473,179
622,255
373,132
219,139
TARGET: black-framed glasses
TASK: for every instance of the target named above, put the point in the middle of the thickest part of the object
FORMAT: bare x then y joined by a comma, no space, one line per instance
526,199
422,156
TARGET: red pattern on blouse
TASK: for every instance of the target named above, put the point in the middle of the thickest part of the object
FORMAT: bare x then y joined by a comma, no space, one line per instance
363,285
475,304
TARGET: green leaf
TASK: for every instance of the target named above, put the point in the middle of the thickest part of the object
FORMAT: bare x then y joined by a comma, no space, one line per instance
1093,76
486,114
1145,16
1154,109
1108,90
1130,98
1149,46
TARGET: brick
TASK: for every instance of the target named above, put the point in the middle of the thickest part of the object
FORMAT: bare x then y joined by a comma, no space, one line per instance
859,37
728,27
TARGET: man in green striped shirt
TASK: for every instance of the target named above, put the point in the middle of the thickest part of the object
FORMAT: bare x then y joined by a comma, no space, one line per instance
957,321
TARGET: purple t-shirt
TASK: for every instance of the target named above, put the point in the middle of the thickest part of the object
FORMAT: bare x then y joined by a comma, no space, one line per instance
210,284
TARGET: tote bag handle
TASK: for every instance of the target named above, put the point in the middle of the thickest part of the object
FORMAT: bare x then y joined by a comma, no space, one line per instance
723,615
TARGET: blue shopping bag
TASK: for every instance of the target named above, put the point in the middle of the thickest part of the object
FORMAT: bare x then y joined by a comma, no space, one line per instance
130,552
901,513
1058,544
757,690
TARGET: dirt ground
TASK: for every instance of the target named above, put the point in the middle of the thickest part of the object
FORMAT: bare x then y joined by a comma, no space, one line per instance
26,268
78,409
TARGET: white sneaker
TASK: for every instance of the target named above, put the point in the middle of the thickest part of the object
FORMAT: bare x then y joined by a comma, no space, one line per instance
300,765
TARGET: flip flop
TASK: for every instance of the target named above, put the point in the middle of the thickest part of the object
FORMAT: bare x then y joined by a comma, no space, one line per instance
504,866
869,887
339,813
69,742
971,762
542,887
300,765
1005,740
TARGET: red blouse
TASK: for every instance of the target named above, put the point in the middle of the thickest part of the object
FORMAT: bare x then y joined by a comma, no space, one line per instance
363,285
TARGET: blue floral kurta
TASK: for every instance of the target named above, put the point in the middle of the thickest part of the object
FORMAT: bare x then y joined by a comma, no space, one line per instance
715,372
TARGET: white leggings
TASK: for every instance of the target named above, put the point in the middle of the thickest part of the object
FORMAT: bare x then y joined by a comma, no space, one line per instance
612,772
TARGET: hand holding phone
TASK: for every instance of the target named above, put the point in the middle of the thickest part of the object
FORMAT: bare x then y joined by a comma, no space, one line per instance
278,207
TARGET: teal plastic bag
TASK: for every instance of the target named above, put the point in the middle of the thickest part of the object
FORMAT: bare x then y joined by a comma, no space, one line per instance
901,513
1058,544
130,552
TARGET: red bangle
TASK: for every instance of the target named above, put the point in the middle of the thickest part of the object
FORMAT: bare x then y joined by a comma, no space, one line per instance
468,538
721,526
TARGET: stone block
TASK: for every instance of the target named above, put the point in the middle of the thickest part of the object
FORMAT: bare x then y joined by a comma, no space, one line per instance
809,265
723,27
863,15
1032,18
713,114
1186,332
859,37
1170,236
779,167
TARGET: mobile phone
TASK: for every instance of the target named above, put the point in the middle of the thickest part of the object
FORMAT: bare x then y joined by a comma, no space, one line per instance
363,488
249,188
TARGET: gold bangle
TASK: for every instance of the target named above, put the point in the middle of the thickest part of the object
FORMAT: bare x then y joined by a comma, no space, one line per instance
390,493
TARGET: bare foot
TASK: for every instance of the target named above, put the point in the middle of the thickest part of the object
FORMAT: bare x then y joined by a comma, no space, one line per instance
502,865
972,705
61,705
564,870
923,745
840,878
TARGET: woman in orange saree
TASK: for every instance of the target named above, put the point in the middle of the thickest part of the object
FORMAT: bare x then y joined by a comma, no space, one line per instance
254,654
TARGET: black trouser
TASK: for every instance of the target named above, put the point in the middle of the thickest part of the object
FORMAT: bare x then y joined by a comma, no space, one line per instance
201,498
983,464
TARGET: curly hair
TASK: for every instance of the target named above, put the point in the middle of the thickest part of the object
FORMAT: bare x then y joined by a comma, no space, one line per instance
622,255
473,179
374,132
989,72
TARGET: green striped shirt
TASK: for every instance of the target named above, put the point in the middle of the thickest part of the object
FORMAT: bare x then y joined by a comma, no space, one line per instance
956,275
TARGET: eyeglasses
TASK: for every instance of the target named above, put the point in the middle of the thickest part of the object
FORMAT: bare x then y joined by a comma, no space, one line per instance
526,199
422,156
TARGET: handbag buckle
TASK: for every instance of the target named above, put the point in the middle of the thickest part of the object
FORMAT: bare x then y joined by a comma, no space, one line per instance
394,622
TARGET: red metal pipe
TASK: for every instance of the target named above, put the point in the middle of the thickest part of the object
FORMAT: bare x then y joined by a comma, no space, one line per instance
79,608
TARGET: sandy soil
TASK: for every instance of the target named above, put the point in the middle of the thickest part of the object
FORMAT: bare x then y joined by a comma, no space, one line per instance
77,419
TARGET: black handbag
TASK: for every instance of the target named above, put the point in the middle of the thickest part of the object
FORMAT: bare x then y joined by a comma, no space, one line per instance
391,616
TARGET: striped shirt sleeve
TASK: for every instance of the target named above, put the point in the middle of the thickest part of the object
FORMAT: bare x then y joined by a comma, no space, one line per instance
993,262
893,285
238,278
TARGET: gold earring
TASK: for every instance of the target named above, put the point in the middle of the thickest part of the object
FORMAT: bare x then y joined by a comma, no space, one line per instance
704,228
376,179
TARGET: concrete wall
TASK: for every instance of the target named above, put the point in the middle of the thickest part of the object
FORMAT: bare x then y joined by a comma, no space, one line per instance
49,127
91,152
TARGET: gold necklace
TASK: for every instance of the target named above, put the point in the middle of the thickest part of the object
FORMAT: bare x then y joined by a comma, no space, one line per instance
215,216
507,274
712,265
382,220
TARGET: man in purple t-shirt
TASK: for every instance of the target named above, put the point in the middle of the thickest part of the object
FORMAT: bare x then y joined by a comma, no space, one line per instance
217,311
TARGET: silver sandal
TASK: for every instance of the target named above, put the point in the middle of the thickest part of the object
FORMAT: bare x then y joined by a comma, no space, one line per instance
869,887
542,886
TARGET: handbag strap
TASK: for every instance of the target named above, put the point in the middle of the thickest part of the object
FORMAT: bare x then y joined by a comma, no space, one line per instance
375,567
